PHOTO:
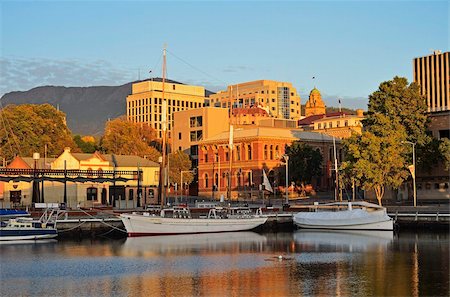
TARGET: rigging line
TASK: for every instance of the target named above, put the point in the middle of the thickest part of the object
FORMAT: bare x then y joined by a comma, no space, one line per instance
6,124
199,70
157,64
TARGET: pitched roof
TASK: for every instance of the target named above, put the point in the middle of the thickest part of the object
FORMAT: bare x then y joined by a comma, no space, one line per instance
250,110
41,163
129,161
311,119
278,133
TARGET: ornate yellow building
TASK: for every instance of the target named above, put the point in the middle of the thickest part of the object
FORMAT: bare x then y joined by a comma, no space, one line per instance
279,99
144,105
315,104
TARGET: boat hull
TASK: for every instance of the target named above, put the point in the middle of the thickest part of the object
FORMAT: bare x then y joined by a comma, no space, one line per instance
6,235
139,225
381,226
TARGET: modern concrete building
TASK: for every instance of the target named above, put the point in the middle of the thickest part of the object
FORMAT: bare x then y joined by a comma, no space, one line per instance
194,125
279,99
144,104
432,73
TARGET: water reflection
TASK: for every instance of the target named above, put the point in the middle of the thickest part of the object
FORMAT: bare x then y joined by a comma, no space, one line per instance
232,264
350,240
194,243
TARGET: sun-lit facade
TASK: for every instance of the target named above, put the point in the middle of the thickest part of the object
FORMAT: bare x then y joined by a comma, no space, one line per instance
279,99
144,105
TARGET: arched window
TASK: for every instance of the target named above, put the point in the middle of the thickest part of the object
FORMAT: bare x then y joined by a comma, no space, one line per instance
249,152
238,152
277,152
265,152
216,180
206,180
271,152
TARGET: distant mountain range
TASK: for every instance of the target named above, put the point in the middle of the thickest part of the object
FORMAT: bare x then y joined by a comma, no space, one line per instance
87,108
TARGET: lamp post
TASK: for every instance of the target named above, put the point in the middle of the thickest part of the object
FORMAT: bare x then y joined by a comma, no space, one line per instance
286,157
413,172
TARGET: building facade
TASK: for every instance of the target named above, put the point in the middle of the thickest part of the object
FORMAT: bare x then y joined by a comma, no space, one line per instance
315,104
144,104
88,185
432,73
279,99
254,150
194,125
337,124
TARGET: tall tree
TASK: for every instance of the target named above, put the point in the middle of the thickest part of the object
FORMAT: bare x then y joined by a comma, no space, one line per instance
178,162
305,162
123,137
444,149
29,128
378,157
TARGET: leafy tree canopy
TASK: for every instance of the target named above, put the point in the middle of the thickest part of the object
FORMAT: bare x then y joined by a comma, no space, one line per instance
123,137
444,149
86,143
305,162
26,129
379,157
179,161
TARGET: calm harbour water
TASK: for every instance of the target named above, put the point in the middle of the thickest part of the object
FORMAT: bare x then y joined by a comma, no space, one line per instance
232,264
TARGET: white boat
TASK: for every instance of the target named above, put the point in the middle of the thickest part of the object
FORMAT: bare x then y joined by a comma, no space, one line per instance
356,216
178,220
26,229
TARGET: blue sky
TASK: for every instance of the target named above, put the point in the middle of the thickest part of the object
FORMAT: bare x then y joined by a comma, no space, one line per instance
349,46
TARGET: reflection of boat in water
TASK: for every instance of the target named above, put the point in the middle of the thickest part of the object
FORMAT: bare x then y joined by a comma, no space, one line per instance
207,241
350,238
179,221
358,216
26,242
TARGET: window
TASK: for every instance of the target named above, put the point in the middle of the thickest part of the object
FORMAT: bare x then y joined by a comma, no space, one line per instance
227,157
173,87
130,194
196,121
179,135
194,150
249,152
319,126
206,158
238,153
196,135
330,124
206,180
91,194
271,152
346,123
265,152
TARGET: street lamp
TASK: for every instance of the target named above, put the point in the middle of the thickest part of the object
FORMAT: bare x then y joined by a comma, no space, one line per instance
413,172
286,157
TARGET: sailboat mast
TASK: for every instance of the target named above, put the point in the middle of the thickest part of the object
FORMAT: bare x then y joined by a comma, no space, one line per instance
335,171
164,132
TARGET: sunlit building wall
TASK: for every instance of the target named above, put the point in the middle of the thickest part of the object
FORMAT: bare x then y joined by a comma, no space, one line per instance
144,105
279,99
432,73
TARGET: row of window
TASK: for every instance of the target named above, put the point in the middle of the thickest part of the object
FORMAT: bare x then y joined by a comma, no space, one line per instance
236,155
330,125
435,186
241,178
170,102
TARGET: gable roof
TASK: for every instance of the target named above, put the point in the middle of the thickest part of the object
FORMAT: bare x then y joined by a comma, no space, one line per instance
129,161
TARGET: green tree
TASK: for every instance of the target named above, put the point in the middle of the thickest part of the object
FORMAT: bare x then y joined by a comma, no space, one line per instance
86,144
123,137
179,161
444,149
305,162
378,157
29,128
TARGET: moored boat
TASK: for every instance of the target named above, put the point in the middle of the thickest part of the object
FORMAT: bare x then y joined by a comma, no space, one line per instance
26,229
357,216
178,220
